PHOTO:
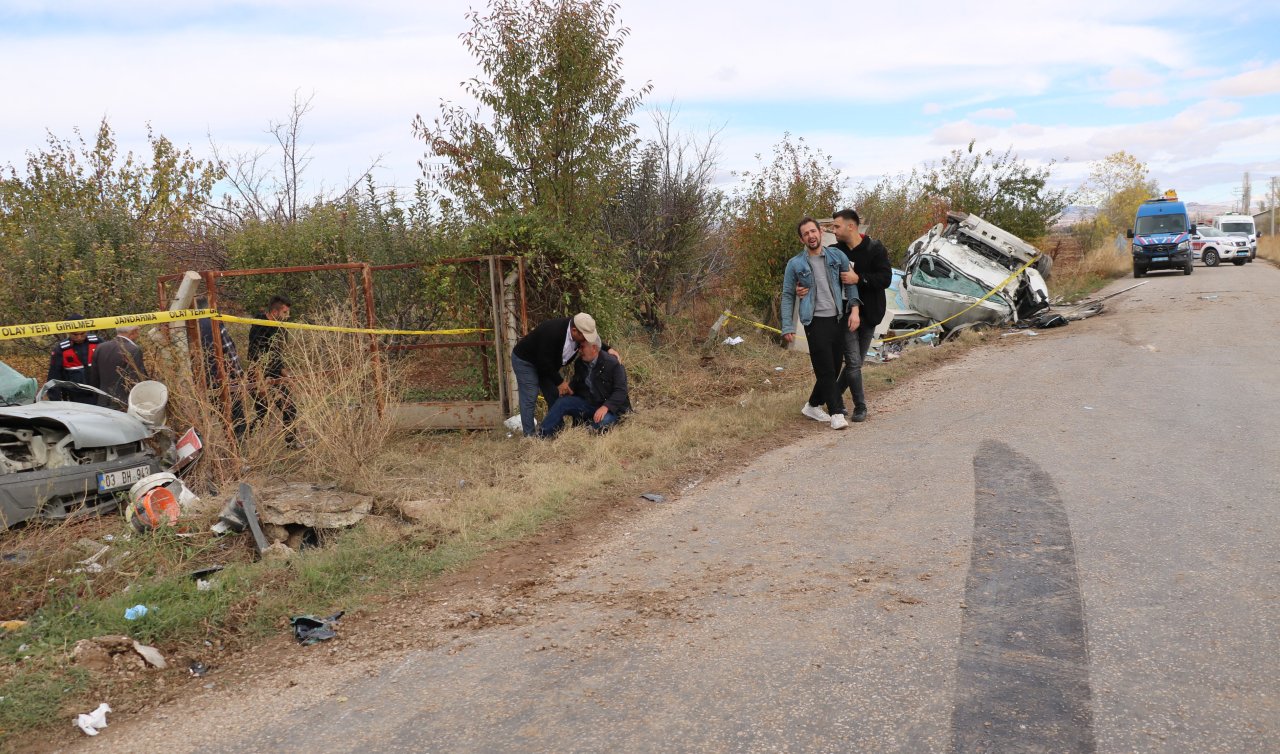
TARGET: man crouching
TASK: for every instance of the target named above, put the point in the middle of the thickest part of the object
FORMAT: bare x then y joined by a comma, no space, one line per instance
599,388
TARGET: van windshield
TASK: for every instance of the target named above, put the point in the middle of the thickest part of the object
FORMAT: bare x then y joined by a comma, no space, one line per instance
1152,224
1237,227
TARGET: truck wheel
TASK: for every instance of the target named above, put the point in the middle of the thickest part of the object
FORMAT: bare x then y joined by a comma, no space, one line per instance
1210,258
1187,270
1139,270
1238,262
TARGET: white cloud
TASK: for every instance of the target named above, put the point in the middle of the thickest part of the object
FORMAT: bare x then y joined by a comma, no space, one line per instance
931,108
962,132
1255,83
994,113
1137,99
1131,77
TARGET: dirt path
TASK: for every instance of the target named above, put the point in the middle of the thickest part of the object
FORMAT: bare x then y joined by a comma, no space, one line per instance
1063,542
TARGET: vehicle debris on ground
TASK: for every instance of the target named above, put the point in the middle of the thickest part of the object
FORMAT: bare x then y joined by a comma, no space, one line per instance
308,629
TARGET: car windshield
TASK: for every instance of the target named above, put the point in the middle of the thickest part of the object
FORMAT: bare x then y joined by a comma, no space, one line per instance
1152,224
1237,227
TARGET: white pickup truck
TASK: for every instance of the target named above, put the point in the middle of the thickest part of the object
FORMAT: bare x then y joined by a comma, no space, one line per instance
1239,225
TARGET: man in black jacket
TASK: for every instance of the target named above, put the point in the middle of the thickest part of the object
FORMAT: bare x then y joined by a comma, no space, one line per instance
538,358
599,391
266,346
872,273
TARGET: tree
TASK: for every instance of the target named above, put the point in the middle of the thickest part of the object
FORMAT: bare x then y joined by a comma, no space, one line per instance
1117,185
897,210
799,182
1000,188
87,229
664,220
559,119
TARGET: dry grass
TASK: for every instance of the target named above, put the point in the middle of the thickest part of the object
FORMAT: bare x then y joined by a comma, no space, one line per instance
441,498
1099,266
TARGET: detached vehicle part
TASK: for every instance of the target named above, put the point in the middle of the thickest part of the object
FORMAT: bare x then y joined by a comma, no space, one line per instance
61,458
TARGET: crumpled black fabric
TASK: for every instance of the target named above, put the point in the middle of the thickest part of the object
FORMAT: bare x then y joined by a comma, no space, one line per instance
308,629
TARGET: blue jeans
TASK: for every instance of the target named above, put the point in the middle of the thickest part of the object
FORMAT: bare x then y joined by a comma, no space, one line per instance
573,407
528,385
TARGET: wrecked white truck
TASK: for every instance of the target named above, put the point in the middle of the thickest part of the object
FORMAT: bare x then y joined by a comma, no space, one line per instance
950,268
59,458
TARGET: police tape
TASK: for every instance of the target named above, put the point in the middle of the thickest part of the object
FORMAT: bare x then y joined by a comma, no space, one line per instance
913,333
337,328
68,326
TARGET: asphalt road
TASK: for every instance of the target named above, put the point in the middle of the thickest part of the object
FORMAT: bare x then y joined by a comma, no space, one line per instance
1062,543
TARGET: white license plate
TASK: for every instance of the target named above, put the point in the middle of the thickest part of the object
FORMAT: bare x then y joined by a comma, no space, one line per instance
1159,259
110,480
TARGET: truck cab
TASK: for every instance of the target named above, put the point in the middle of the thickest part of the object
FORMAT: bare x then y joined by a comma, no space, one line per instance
1161,235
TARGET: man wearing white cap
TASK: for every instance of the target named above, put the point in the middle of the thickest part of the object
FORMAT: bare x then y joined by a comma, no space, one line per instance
538,358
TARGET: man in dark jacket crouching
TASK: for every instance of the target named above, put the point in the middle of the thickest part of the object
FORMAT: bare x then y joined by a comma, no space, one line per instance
599,391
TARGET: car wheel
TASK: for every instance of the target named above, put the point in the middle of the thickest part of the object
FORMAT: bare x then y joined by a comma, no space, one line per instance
1238,262
1210,258
1187,270
1139,270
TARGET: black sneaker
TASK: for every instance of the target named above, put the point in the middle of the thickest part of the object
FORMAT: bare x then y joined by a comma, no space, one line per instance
859,414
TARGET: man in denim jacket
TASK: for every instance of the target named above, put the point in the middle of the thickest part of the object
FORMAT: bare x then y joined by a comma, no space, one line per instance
822,314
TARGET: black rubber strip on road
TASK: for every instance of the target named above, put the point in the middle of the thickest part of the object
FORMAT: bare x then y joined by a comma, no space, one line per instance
1022,679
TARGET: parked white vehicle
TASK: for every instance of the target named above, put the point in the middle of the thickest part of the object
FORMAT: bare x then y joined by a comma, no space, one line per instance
1213,247
1239,225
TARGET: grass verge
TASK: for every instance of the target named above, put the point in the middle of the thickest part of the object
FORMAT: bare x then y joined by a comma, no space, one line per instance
1098,267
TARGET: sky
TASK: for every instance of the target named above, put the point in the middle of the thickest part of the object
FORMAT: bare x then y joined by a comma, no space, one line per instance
1191,89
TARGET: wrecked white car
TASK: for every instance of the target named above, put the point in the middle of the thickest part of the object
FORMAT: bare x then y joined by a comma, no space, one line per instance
59,458
956,263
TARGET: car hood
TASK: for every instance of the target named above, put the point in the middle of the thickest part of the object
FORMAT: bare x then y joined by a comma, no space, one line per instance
89,426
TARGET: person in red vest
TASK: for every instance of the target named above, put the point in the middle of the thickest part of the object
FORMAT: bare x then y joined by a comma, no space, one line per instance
70,360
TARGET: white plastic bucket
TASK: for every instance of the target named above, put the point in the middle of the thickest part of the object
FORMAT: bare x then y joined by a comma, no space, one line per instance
147,401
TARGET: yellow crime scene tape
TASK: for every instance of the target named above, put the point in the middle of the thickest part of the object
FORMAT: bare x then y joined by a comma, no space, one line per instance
913,333
64,327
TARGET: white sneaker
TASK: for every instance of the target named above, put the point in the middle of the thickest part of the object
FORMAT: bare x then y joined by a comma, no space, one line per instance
839,422
816,413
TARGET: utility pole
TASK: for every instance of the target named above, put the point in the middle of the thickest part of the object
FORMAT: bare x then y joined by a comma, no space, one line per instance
1245,195
1275,196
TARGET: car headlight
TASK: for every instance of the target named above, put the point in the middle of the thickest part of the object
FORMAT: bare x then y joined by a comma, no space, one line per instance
1135,248
1184,246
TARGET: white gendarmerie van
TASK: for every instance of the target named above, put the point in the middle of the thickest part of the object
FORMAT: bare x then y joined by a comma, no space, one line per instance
1239,225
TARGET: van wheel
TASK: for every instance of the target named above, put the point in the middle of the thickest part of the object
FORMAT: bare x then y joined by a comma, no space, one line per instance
1139,270
1211,258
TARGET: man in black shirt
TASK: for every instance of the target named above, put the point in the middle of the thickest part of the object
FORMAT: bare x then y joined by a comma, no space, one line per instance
872,273
265,345
538,358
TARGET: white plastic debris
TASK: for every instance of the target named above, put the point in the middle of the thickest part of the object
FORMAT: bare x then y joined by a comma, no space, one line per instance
733,341
513,423
151,655
92,722
203,586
